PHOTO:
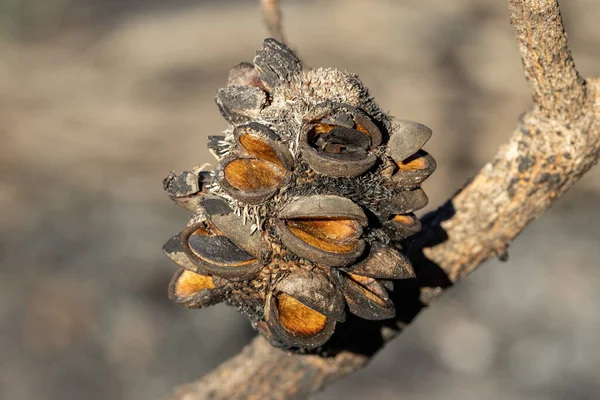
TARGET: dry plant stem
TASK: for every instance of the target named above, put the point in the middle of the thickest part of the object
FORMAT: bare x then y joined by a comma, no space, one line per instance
272,16
554,145
559,91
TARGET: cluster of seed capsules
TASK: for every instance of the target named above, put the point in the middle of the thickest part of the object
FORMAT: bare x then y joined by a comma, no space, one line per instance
301,220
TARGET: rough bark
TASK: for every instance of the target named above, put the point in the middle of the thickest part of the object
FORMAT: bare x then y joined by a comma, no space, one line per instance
552,147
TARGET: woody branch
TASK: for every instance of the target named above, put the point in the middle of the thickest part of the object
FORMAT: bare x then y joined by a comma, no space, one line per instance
554,144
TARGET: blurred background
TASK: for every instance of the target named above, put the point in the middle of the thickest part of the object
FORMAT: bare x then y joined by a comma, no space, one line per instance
99,100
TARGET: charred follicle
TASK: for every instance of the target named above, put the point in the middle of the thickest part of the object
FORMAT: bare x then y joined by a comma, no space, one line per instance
401,226
239,104
193,290
245,95
215,253
301,220
324,229
264,144
366,297
302,310
316,290
233,226
339,140
403,202
383,262
412,171
185,188
407,139
293,324
276,64
249,179
259,168
175,252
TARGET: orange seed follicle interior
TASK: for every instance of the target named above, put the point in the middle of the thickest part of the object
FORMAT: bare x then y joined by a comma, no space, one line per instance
334,235
253,175
190,283
260,149
297,318
404,219
413,163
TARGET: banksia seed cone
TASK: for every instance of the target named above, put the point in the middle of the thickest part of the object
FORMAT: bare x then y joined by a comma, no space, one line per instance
298,223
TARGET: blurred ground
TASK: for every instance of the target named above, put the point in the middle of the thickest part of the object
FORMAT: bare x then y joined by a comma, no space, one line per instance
99,100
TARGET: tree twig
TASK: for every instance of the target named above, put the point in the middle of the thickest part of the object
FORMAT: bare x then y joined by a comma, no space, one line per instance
553,146
559,91
271,12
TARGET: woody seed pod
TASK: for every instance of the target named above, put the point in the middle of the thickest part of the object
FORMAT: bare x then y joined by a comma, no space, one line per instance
408,138
383,262
217,254
255,176
191,290
313,289
339,140
366,297
414,170
324,229
400,227
294,324
300,221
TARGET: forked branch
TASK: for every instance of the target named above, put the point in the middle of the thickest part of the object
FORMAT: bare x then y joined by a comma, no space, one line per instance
552,147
